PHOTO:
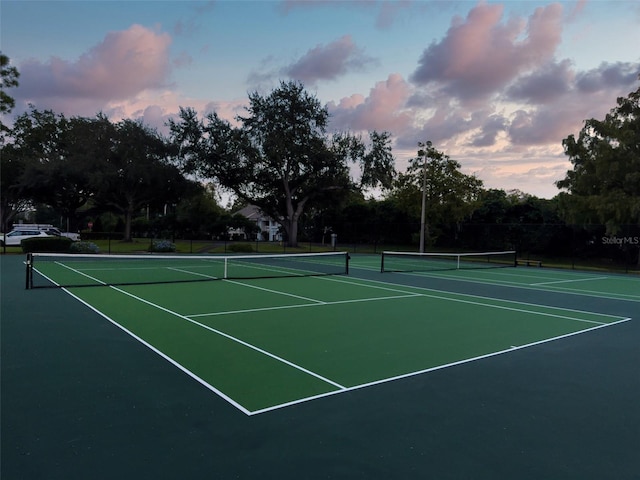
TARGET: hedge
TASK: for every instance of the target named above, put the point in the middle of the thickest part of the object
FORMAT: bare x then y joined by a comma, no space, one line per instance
46,244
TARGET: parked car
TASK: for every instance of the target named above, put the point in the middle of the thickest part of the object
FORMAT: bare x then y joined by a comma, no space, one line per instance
48,229
16,236
55,232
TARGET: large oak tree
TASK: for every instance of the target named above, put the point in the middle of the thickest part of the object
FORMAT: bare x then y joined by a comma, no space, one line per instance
281,157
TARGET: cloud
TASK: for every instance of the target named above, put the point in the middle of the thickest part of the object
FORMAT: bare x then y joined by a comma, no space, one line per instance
537,175
328,62
183,60
382,110
589,94
491,127
576,11
206,7
323,62
539,126
608,75
123,65
480,55
544,85
386,11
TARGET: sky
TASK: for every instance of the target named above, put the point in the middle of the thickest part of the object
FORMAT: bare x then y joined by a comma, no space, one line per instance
495,85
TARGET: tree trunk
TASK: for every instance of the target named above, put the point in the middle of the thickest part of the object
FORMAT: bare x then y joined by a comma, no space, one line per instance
291,228
128,215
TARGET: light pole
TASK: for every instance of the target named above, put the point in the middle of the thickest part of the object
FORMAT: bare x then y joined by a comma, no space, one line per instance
423,151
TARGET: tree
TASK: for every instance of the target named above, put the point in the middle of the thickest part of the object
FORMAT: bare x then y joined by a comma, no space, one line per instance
32,141
198,214
604,184
13,201
63,156
71,164
8,79
136,173
450,195
281,158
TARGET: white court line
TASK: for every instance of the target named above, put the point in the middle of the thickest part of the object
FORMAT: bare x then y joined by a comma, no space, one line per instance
320,302
304,305
439,297
625,297
230,337
200,380
509,284
512,348
483,298
189,272
410,294
341,388
211,329
76,271
570,281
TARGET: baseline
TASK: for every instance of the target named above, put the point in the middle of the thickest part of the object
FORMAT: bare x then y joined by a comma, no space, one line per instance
432,369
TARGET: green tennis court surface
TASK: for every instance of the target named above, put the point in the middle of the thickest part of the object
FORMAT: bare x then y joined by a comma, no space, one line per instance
265,344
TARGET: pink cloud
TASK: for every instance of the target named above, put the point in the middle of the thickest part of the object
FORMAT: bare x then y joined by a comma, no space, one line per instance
327,62
124,64
577,10
550,123
480,55
382,110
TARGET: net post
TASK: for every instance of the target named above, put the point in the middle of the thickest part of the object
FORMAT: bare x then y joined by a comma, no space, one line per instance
382,263
348,257
29,272
226,266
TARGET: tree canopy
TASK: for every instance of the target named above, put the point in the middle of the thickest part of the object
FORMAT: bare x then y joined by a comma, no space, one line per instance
72,163
281,157
450,195
135,172
604,184
8,79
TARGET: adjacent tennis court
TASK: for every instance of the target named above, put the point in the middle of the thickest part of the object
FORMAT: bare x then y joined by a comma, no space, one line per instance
276,331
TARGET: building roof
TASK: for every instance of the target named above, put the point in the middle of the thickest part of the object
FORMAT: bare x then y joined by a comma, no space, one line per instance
251,212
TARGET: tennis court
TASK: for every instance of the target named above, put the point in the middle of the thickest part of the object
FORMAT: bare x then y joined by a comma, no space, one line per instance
317,327
317,373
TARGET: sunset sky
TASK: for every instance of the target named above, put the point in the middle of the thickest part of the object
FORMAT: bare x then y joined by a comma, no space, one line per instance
495,85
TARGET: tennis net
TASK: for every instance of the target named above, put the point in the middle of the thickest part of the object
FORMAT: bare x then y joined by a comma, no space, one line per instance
77,270
413,262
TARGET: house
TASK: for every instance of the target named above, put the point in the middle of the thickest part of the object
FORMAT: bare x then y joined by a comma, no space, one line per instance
269,229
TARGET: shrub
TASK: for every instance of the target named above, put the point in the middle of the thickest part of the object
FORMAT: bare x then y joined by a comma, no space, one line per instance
162,246
241,248
46,244
84,247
